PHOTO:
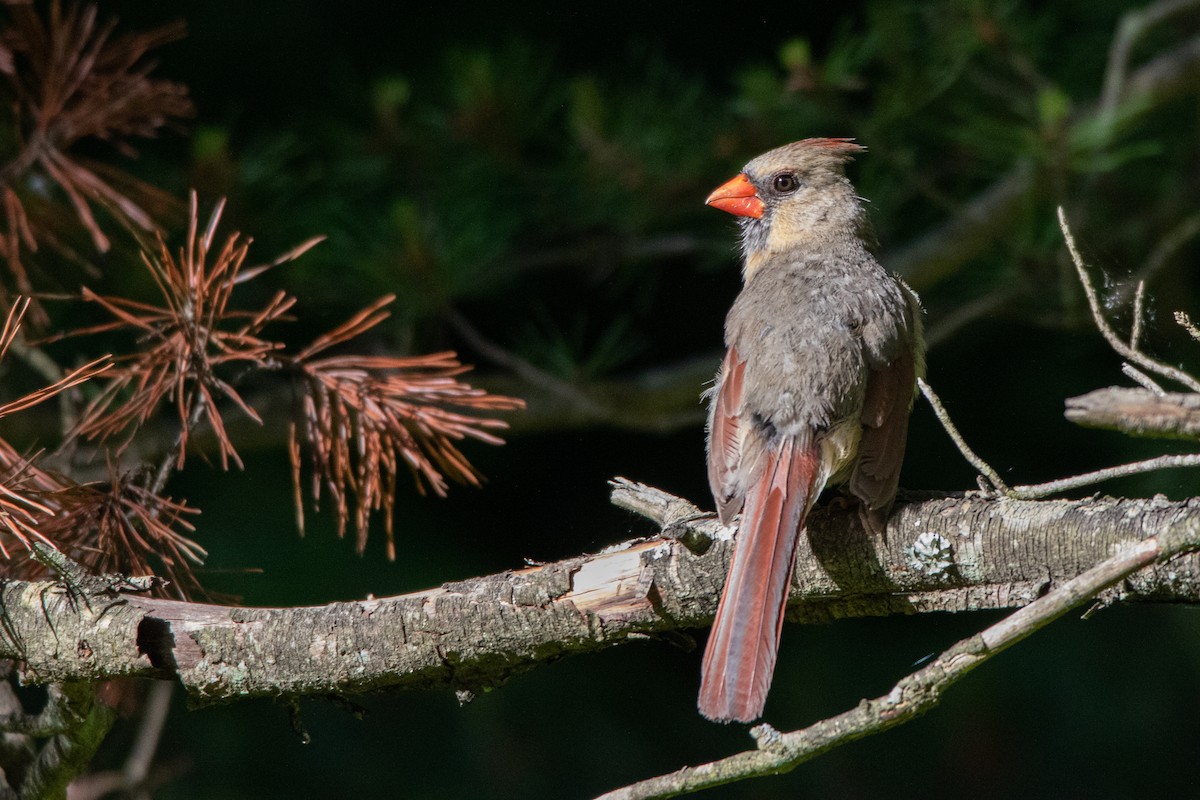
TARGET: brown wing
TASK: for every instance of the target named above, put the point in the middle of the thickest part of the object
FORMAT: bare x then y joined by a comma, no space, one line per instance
876,474
725,437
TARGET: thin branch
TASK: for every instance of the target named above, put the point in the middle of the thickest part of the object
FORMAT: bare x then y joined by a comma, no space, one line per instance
970,455
919,692
1115,341
138,776
662,508
1142,379
1039,490
1139,307
172,457
154,718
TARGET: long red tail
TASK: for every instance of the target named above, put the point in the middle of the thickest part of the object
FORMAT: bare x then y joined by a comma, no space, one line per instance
742,647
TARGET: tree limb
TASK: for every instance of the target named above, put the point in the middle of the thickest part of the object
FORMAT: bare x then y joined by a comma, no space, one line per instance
921,691
941,554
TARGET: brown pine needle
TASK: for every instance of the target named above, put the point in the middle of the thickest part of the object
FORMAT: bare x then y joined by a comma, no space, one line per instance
365,418
71,79
187,340
20,514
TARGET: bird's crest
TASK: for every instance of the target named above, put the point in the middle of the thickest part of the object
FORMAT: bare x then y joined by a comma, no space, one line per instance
843,148
831,153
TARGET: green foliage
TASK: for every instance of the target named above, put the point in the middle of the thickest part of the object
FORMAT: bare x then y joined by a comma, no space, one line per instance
583,351
502,179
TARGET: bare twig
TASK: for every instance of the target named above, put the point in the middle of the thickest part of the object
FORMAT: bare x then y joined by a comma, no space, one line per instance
1040,490
661,507
1127,350
919,692
171,458
154,717
970,455
1115,341
1142,379
136,779
1139,303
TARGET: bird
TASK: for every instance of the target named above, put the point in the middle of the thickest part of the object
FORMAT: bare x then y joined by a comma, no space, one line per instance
824,347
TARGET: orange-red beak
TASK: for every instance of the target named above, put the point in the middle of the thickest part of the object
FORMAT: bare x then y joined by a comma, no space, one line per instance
738,197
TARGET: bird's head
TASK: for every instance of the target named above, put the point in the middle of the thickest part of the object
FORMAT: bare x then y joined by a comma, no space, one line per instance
794,196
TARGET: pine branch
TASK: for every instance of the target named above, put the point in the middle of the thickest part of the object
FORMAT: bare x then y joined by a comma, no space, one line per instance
942,251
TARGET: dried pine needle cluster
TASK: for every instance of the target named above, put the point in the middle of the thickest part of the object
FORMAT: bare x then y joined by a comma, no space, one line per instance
359,422
367,417
186,341
25,490
70,78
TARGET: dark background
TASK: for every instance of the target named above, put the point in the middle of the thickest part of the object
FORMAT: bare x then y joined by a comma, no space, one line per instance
505,162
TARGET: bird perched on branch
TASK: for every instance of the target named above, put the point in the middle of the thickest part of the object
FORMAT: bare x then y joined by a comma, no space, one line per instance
824,348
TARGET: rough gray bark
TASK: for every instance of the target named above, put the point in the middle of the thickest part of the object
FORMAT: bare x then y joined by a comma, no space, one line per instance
919,692
942,554
1138,412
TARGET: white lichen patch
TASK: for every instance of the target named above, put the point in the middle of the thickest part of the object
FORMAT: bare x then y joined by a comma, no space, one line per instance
725,533
931,554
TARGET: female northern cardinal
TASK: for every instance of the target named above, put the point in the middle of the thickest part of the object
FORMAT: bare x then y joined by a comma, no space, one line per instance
824,349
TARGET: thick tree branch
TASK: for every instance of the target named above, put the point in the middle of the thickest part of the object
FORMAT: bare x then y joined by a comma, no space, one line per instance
943,554
922,690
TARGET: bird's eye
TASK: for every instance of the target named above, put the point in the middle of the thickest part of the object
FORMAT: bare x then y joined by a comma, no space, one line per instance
786,183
